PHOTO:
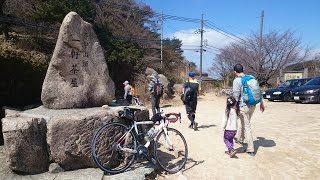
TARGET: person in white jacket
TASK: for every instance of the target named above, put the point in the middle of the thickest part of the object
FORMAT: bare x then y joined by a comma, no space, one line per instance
229,124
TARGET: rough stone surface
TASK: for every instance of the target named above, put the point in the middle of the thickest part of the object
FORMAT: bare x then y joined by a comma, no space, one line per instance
26,146
77,76
168,92
66,132
55,168
177,88
150,71
70,136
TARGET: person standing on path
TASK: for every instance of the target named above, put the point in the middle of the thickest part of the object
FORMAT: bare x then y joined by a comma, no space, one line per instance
246,110
156,91
127,92
190,93
229,124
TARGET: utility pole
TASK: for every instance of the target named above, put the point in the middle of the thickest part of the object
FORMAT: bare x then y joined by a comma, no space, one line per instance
260,43
201,47
161,40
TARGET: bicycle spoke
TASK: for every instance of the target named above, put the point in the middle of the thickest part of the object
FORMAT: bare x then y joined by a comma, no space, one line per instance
114,148
171,150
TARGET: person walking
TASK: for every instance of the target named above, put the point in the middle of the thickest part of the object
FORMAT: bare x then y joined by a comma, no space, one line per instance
156,91
190,94
127,92
229,124
246,108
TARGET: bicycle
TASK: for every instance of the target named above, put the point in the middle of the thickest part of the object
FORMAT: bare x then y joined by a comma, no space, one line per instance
115,146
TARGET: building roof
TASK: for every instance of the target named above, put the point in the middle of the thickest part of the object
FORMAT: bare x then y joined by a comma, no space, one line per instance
300,66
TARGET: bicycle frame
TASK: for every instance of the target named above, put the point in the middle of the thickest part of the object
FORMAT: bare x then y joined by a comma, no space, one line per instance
161,127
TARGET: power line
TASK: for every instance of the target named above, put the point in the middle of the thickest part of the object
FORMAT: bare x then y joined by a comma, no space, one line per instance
177,18
223,32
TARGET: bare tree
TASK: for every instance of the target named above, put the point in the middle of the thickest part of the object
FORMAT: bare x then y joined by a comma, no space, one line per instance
264,60
222,68
315,65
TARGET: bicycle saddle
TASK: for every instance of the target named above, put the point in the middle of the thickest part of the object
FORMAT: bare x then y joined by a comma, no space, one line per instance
131,109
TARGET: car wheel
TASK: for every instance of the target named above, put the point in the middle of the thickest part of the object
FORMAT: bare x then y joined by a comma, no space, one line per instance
287,97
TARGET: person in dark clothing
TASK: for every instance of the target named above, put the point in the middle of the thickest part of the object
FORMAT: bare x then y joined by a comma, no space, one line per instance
191,89
154,94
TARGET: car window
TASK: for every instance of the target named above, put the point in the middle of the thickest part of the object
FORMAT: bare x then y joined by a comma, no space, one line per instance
285,84
315,81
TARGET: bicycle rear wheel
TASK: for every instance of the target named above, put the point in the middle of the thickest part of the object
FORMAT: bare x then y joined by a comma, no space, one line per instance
113,148
171,158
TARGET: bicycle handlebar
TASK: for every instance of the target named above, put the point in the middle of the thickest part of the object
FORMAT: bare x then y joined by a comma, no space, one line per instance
173,117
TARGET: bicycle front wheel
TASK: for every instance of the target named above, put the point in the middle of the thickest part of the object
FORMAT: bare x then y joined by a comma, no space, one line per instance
114,148
171,150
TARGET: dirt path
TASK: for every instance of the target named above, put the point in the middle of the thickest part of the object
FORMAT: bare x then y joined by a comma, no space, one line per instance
286,137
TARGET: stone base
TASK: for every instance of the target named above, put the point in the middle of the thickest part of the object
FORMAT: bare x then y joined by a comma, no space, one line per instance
35,137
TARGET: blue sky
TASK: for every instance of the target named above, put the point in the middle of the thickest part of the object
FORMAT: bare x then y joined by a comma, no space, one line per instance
240,17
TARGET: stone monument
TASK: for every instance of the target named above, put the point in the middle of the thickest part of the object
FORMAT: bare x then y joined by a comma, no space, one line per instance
77,76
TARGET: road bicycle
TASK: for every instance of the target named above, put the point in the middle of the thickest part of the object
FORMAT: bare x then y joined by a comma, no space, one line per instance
115,145
223,92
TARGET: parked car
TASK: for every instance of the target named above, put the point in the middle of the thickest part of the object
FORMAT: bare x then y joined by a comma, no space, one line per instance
283,91
308,93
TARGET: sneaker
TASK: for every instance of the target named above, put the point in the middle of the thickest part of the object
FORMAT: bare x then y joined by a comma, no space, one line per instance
251,153
227,152
195,126
191,126
232,153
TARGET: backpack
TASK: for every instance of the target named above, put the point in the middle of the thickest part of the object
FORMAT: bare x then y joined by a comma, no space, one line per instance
157,89
188,93
132,91
251,90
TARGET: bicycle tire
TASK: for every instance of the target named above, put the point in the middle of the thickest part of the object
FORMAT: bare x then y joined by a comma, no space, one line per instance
104,149
171,161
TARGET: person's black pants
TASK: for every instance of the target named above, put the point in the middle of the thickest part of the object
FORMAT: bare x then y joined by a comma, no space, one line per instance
191,110
155,102
129,99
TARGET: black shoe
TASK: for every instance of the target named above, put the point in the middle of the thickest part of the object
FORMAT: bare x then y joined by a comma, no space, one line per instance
251,153
195,126
191,126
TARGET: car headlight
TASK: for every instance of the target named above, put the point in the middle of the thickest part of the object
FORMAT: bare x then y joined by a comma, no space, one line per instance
277,93
263,92
311,91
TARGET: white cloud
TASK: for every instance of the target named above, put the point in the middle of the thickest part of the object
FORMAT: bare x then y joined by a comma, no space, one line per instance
191,42
213,38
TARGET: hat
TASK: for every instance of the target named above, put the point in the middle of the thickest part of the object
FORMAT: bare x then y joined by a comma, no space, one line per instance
126,82
192,74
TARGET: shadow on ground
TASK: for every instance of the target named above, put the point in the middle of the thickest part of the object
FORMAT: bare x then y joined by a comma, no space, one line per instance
206,126
260,142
